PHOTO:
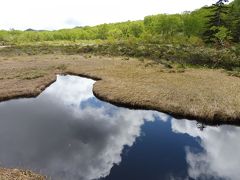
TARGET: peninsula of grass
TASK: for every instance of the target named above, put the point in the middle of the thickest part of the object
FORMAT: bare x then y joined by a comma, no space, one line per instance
208,95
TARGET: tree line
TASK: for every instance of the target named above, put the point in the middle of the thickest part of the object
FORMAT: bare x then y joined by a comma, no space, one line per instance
217,24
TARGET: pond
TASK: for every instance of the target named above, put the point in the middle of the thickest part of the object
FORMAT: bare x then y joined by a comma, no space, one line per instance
67,133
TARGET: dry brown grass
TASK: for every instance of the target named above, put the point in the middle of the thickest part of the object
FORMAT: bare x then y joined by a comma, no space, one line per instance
207,95
16,174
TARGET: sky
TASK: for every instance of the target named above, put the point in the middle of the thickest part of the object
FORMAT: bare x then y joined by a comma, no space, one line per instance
58,14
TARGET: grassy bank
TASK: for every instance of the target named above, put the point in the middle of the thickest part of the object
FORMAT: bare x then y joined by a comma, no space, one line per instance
207,95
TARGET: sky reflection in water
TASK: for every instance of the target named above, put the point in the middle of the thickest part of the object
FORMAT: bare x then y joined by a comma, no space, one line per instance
66,133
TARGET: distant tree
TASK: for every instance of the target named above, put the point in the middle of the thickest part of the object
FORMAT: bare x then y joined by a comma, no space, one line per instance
191,24
223,35
234,19
102,31
236,32
163,24
215,20
125,30
114,34
136,29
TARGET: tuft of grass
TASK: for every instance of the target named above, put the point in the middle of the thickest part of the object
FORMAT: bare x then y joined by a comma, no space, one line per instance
125,58
180,66
87,56
32,74
141,59
61,67
235,72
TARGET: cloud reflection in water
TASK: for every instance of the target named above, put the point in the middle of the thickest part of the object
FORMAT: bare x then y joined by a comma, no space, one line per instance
57,134
66,133
220,158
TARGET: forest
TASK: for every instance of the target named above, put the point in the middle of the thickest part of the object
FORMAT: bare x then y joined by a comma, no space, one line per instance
209,36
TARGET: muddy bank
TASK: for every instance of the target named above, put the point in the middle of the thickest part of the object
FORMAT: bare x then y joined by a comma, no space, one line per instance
210,96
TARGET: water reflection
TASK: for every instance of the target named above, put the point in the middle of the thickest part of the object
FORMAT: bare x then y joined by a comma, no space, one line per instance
66,133
220,158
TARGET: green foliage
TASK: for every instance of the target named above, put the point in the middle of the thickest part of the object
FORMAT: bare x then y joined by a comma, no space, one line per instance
175,38
102,32
216,22
165,25
191,25
222,35
171,29
136,29
234,18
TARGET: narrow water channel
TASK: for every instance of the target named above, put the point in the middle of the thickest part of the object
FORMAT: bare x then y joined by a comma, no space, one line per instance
67,133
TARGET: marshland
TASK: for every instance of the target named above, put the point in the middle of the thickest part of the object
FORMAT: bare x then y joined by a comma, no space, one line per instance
116,100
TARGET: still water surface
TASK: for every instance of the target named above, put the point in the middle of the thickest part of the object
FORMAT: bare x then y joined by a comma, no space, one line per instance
67,133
